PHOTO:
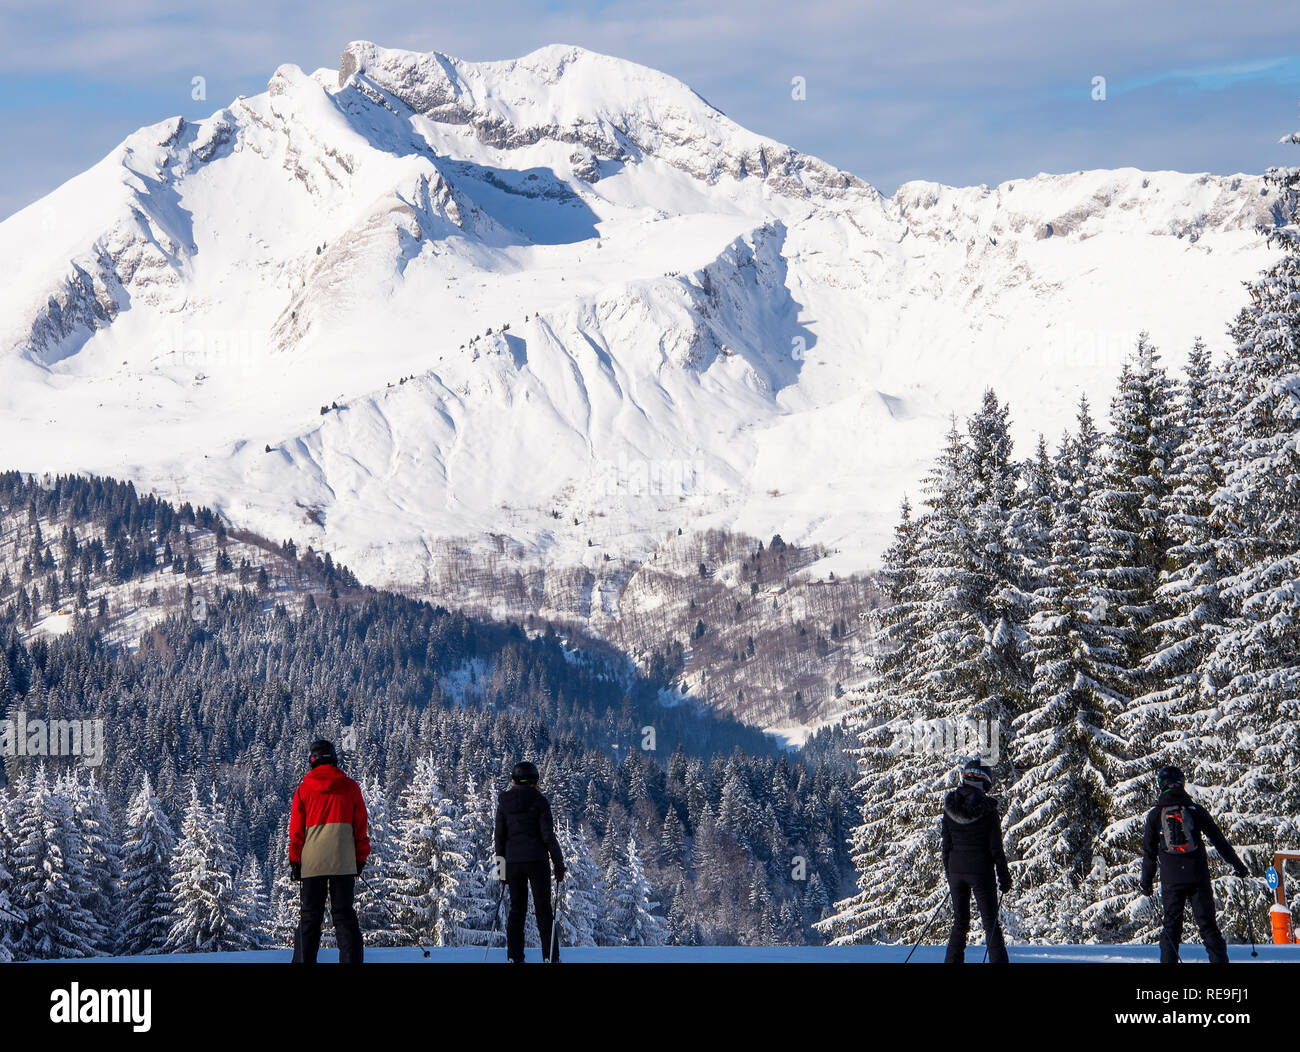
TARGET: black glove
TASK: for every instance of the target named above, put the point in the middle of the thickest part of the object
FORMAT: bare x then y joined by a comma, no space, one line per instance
361,864
1004,882
559,874
295,871
1242,871
1147,890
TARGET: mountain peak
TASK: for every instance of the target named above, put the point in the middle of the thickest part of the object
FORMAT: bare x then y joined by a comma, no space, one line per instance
616,110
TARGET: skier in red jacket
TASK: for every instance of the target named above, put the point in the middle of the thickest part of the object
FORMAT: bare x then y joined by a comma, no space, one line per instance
328,848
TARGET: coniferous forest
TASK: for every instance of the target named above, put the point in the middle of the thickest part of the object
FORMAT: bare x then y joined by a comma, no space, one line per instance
681,826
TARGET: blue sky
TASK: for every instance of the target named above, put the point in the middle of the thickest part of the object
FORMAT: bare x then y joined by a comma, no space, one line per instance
955,92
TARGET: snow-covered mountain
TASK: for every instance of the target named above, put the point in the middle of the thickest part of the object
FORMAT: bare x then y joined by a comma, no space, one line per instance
563,307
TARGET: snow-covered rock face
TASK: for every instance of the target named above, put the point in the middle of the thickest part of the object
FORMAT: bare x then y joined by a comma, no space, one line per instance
691,326
617,111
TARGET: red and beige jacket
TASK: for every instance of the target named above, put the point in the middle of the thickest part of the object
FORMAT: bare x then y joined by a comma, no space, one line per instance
327,824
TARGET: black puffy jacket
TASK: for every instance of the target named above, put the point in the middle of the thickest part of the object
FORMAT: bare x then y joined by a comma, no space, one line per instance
525,831
972,834
1192,868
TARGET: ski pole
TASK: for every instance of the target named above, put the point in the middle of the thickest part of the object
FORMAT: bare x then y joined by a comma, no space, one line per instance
392,915
20,920
1250,922
928,923
555,922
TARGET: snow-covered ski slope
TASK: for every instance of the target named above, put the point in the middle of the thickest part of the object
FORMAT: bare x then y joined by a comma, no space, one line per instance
706,327
748,955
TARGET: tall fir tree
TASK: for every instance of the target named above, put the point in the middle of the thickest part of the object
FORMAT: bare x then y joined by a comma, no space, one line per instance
581,888
101,857
255,904
146,874
1062,746
207,915
894,838
429,892
632,904
49,878
284,906
1129,541
481,889
375,894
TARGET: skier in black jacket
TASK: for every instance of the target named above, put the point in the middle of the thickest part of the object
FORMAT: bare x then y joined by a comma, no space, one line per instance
525,838
1173,835
972,852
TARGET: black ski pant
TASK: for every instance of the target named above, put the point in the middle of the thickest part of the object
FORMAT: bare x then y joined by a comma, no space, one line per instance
985,889
519,876
1201,896
347,930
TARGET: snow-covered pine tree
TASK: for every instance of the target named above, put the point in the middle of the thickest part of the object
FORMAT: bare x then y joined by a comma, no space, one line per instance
1174,719
683,929
286,895
815,901
709,867
11,917
1128,544
1031,527
428,892
580,889
206,912
737,812
1062,744
254,904
895,845
633,904
1256,660
50,883
882,717
1178,696
146,874
101,857
971,604
998,599
672,842
480,888
377,891
608,930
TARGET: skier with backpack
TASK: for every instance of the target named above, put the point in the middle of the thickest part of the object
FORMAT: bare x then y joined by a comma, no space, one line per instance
526,847
328,847
972,857
1173,836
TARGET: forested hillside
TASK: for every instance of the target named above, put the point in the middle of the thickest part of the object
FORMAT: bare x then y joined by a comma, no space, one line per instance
212,658
749,626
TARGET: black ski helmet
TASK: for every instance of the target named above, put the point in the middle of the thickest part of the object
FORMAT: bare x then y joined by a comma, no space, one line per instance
975,773
1169,778
525,773
322,751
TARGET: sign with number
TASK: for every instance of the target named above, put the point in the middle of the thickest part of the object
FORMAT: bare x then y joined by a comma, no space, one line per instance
1270,878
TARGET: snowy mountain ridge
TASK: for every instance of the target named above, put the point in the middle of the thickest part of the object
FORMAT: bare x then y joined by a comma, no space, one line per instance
610,109
563,307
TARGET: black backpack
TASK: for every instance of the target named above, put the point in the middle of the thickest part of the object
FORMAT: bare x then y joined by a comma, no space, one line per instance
1178,832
